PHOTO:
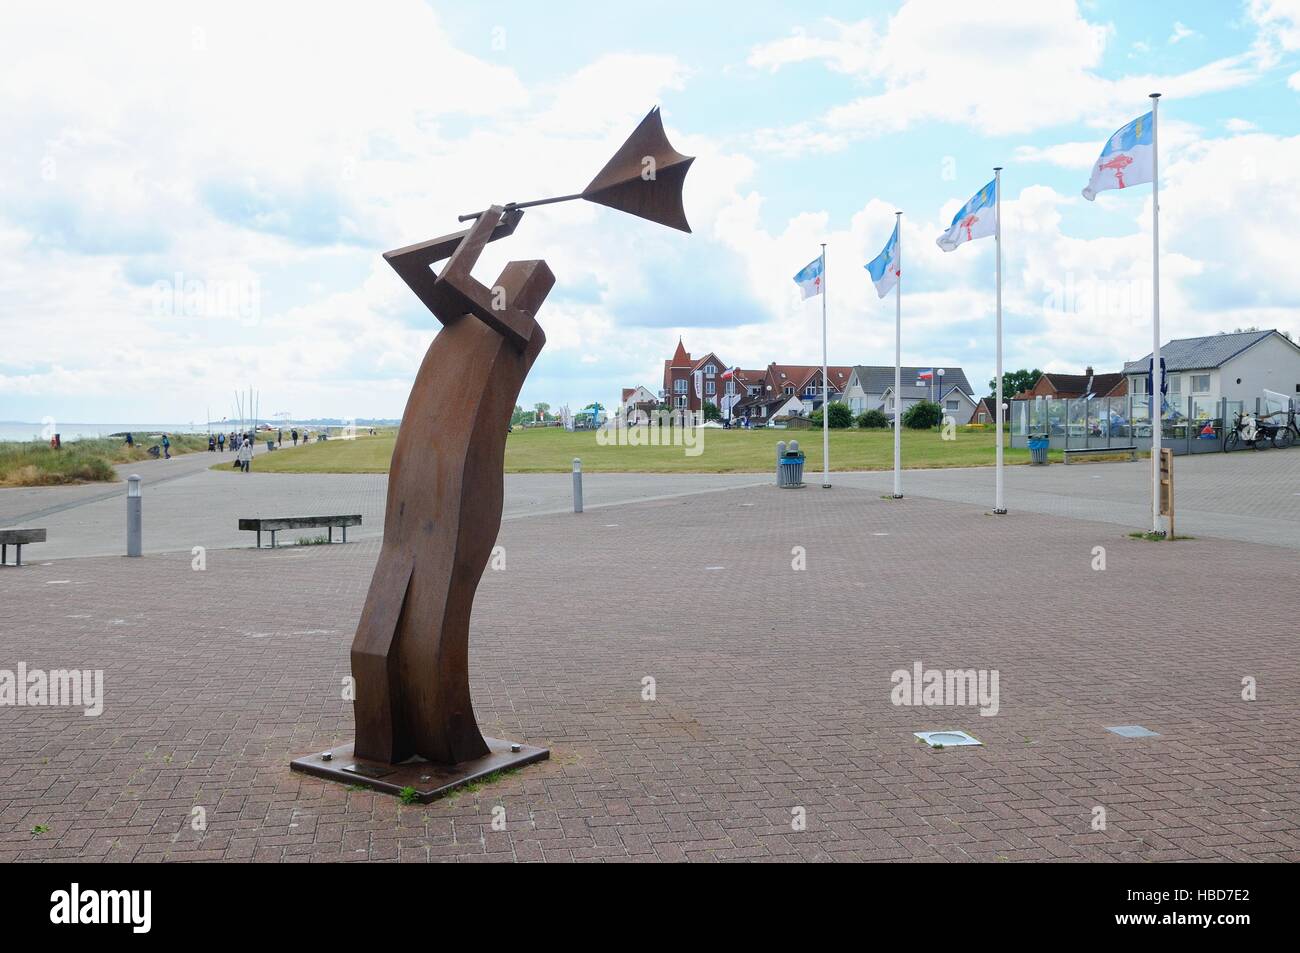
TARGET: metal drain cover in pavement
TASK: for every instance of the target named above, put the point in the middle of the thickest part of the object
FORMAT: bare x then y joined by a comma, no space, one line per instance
946,739
1134,731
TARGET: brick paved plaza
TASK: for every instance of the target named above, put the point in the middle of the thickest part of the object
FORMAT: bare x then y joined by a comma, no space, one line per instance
772,692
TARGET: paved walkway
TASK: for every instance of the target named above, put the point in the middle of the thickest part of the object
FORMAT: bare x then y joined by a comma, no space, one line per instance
186,504
772,693
1253,497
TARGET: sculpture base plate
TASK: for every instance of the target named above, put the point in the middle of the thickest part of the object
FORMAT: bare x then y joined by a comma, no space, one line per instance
428,779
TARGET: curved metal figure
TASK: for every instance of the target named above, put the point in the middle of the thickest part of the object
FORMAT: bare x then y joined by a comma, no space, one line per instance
410,655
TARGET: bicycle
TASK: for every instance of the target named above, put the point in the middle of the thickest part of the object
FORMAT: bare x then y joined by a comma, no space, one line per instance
1288,433
1247,430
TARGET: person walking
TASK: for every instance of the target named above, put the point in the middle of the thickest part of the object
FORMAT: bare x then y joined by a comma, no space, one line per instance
294,434
279,438
167,447
130,441
246,455
221,442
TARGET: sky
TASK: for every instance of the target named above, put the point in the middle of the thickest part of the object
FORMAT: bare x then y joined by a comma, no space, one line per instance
195,197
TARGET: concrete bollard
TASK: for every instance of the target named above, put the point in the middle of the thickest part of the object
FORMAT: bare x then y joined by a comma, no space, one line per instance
133,516
577,485
780,452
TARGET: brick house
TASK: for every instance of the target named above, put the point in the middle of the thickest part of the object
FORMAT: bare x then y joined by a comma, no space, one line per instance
756,395
689,382
1070,386
781,391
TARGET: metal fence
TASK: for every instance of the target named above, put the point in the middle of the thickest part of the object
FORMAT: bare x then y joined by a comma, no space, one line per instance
1188,425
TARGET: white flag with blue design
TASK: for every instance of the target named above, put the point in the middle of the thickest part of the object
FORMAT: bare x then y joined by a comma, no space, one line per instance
884,268
1126,160
978,218
809,278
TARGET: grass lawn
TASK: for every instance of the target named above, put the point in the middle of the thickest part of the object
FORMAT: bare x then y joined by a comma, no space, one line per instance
551,450
34,463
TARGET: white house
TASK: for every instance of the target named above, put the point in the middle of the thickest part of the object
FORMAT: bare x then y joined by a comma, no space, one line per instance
635,398
1238,366
872,388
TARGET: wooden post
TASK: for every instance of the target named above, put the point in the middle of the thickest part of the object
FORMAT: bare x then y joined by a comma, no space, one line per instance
1167,486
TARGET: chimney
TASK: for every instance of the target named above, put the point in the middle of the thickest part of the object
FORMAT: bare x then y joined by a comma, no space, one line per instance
1088,372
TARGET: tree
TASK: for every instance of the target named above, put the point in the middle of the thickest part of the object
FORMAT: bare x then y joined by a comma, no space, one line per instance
1285,334
873,420
922,415
542,410
711,411
841,416
517,417
1013,382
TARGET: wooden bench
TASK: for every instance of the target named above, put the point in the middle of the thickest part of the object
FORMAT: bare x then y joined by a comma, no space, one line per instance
274,526
16,538
1131,451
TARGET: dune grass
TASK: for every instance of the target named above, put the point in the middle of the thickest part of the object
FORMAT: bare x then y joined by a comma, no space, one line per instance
35,463
551,450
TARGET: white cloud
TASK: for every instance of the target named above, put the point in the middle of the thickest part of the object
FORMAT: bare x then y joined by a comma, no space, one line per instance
281,148
1181,32
968,64
847,49
1278,22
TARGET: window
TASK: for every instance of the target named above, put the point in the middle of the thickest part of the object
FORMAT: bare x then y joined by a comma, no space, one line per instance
788,390
1200,383
1139,385
951,405
1176,384
681,401
710,388
710,370
731,387
679,386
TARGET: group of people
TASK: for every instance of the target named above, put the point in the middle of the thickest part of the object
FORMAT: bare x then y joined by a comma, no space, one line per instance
241,443
164,446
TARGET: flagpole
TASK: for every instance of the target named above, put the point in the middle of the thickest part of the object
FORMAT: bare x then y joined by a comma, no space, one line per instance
998,508
826,407
1157,378
898,356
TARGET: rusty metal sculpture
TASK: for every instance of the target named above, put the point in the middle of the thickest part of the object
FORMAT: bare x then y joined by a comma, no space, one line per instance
415,725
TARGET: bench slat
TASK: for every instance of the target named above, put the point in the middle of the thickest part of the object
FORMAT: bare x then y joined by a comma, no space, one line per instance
15,537
298,522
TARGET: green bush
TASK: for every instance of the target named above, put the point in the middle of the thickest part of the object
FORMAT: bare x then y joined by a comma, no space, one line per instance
922,415
711,411
841,416
872,420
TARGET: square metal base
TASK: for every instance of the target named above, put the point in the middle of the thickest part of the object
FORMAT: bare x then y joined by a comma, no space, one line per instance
429,780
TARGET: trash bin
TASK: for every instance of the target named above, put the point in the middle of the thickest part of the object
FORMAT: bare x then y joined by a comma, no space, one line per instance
270,445
790,470
1038,444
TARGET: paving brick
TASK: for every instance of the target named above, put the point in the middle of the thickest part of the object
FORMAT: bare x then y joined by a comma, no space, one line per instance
773,692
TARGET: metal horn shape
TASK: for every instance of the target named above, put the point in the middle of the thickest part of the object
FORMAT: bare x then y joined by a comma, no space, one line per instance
645,177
